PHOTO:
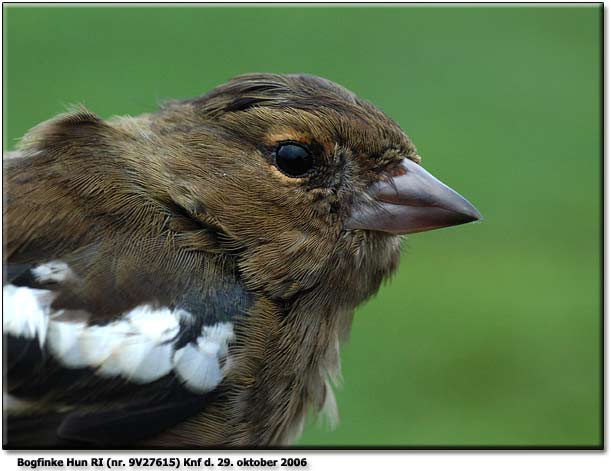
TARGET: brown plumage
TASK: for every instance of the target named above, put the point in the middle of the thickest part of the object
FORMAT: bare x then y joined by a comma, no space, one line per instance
195,207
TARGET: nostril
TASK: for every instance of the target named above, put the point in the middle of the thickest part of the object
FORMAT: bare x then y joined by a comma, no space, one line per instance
398,171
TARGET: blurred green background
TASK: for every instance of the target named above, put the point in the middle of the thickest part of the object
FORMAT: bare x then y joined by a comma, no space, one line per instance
490,333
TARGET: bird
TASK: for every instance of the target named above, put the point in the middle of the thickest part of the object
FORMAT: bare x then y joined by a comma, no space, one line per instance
184,278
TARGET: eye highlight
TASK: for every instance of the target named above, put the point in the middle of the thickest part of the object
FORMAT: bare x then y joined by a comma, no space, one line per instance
293,159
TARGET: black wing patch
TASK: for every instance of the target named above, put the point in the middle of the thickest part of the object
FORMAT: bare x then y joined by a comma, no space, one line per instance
119,426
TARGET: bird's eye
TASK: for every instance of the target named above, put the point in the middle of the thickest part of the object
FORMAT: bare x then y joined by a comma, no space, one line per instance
293,159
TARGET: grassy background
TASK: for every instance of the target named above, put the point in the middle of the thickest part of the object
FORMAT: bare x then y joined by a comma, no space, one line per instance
489,334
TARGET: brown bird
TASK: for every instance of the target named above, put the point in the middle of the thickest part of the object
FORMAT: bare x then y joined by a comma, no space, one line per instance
184,278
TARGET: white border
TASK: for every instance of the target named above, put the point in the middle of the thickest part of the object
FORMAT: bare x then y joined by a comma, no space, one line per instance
373,460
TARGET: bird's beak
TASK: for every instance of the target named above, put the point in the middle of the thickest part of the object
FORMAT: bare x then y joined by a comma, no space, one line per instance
411,201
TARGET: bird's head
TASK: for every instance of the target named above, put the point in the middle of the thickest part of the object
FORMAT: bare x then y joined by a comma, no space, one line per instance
301,182
300,175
